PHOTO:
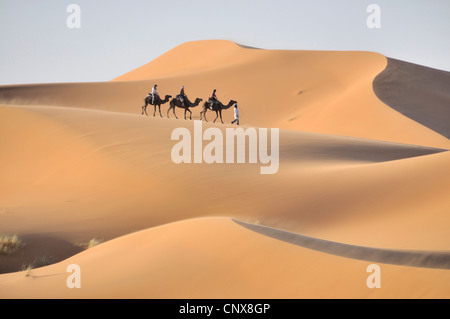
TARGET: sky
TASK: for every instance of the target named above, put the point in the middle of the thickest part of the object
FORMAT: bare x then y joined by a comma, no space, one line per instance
116,36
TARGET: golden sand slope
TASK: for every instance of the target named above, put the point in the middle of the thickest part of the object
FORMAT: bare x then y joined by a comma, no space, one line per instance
216,258
79,161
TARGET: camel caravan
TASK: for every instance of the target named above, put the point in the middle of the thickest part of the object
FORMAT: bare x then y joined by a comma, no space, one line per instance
182,101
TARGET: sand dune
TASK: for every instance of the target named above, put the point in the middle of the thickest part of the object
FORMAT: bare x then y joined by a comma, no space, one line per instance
79,161
219,259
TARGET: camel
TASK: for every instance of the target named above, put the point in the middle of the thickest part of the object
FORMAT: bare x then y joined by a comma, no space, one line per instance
158,102
217,107
187,104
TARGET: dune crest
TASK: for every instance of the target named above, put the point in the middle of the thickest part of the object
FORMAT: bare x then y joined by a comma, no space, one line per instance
191,57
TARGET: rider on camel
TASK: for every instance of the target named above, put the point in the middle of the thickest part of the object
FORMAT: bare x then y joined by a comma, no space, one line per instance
212,99
154,93
182,96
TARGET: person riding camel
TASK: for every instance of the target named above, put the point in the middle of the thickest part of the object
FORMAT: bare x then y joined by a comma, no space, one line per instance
182,96
212,99
154,93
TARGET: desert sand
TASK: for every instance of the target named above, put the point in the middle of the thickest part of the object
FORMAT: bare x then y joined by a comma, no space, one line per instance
360,169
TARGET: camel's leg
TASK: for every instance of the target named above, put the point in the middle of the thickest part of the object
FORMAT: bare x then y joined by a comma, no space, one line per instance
217,115
174,113
168,111
190,114
203,113
220,112
159,108
144,108
185,110
154,110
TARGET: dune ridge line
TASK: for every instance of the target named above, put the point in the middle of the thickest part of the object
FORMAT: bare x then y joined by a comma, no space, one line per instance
426,259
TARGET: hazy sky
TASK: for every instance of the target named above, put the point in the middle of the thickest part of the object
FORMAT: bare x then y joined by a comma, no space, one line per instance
116,36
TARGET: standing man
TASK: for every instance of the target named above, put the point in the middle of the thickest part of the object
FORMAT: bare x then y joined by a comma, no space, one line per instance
236,114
